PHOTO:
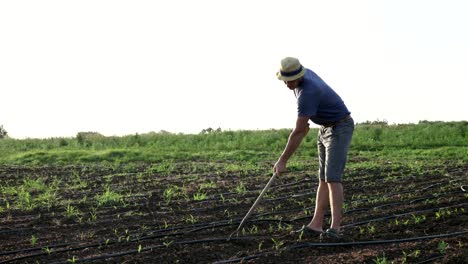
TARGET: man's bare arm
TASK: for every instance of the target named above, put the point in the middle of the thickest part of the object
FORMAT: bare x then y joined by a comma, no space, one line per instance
294,140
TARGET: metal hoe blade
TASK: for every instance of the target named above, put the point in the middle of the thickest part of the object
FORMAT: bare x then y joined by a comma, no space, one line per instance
252,209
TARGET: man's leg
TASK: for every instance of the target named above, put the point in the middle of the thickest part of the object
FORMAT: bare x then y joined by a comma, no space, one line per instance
321,200
336,152
336,204
321,205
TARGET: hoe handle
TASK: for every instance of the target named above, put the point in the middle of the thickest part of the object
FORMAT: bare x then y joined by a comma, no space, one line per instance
257,201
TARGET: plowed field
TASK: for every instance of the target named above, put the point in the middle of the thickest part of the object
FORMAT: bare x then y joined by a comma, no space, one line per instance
185,212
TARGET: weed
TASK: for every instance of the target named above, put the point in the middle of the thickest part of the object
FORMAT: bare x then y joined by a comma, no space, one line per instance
240,189
418,219
33,240
199,196
442,247
270,228
108,197
404,258
170,193
382,260
208,185
362,230
416,253
71,211
25,200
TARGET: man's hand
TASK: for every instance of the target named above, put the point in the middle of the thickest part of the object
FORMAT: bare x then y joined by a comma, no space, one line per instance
280,167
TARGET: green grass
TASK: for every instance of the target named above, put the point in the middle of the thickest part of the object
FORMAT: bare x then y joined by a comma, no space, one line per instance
423,141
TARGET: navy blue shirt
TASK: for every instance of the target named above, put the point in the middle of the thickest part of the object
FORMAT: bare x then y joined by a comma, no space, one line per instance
318,101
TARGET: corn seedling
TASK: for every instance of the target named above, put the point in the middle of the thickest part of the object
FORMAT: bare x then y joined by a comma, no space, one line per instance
221,196
47,250
278,244
167,244
260,246
191,219
253,229
93,217
301,234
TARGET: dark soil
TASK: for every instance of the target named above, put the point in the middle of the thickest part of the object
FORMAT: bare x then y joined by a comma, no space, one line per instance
404,204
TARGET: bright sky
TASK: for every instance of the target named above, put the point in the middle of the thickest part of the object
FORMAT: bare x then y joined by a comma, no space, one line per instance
125,67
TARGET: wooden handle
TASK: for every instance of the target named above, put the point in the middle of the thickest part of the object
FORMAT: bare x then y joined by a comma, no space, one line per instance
252,209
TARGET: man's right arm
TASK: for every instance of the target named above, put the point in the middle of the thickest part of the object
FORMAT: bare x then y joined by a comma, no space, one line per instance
294,140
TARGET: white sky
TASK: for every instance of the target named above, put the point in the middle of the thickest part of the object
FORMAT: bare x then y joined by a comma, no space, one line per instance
125,67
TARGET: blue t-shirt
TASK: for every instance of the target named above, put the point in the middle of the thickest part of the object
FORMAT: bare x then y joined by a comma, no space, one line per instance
317,100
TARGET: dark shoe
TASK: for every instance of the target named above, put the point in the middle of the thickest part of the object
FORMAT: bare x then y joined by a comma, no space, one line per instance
307,231
330,235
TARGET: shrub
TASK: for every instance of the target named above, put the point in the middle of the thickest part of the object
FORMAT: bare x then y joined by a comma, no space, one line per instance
3,132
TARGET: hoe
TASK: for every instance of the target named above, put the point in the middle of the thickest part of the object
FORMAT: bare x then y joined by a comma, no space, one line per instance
253,206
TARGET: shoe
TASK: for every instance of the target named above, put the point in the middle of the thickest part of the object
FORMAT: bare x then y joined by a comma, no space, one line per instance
305,230
330,235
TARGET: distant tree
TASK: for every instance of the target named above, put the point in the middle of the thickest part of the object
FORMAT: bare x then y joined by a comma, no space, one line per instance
210,130
86,138
3,132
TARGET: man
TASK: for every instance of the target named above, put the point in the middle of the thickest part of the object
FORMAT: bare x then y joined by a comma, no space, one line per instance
319,103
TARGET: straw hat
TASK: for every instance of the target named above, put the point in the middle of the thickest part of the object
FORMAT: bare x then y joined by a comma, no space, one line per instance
291,69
